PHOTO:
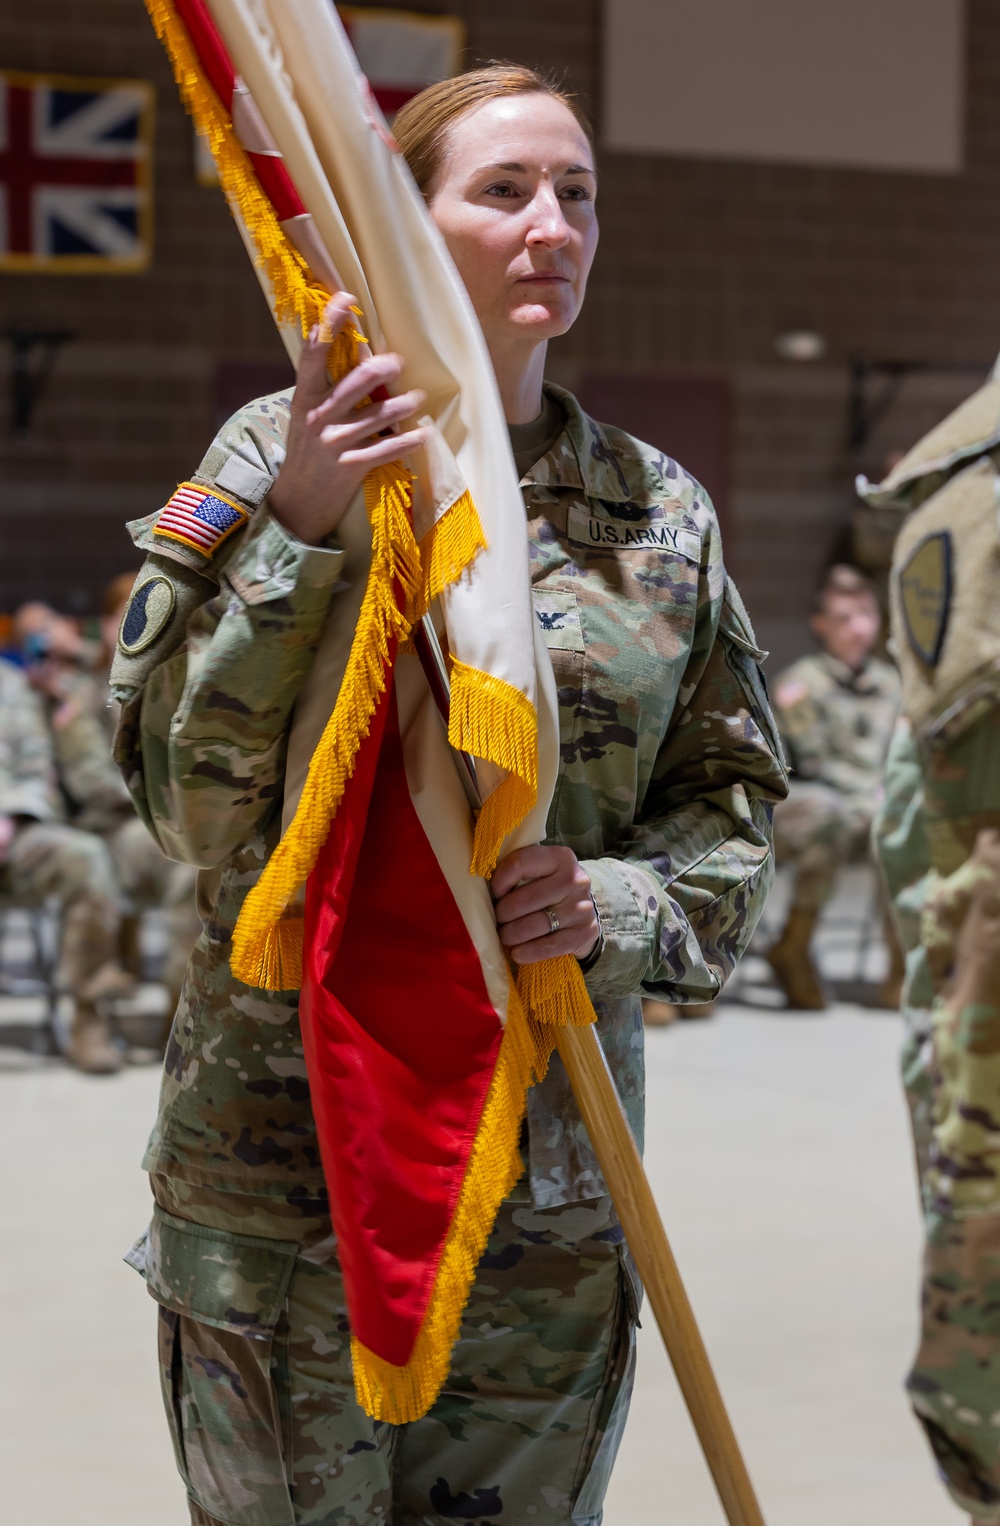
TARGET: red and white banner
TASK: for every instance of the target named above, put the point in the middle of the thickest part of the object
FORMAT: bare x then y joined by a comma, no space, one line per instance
401,52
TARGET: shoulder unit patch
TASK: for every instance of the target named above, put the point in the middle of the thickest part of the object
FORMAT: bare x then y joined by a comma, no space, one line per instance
925,583
199,517
147,614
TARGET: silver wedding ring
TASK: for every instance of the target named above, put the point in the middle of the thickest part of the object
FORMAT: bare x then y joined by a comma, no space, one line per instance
553,919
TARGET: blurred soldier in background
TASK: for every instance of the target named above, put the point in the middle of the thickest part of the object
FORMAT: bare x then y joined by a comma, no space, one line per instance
836,711
938,840
81,721
41,857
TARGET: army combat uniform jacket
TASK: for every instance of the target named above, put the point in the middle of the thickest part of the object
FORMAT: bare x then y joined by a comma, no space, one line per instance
942,788
670,766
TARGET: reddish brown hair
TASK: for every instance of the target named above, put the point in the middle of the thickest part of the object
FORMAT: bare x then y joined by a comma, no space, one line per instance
421,126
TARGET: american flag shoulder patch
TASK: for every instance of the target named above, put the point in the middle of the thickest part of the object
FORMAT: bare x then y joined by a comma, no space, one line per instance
199,517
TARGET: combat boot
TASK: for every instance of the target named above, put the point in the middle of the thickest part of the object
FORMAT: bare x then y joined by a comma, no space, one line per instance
792,962
90,1047
658,1014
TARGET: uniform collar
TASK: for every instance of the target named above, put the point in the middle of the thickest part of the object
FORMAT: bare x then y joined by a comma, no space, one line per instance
865,681
582,456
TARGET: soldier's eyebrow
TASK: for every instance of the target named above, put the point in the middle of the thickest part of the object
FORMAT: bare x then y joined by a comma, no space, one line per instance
514,168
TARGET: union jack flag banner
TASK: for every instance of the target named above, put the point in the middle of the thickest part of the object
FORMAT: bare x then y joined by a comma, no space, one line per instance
75,173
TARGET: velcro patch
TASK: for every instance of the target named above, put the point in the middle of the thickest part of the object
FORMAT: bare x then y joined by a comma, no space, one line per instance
199,517
147,614
558,615
653,535
925,595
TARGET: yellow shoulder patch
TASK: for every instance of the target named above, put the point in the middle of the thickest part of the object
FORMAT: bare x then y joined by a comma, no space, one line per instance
925,581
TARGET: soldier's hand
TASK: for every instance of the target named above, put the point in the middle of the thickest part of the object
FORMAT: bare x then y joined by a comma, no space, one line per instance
8,826
530,883
332,442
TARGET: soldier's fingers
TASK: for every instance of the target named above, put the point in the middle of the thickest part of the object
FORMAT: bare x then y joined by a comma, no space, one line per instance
373,420
552,946
518,868
386,449
311,381
564,884
537,925
338,405
525,900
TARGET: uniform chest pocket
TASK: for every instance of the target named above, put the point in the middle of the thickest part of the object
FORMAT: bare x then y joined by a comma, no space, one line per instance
558,616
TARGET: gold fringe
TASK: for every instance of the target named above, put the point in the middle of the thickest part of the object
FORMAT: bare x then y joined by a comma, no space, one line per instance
277,958
295,295
491,719
258,941
401,1394
264,948
449,547
555,992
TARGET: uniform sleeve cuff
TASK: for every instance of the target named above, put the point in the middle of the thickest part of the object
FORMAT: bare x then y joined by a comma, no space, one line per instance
618,964
272,563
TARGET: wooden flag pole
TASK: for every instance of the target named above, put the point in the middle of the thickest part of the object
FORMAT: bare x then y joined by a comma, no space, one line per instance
621,1164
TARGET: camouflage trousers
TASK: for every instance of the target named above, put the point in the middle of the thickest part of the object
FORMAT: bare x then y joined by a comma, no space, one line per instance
256,1372
148,878
818,830
954,1382
48,859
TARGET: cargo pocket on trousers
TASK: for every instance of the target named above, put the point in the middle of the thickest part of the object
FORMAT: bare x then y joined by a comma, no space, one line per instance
221,1297
611,1410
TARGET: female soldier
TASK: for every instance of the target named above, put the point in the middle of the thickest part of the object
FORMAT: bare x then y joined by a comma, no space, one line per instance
657,861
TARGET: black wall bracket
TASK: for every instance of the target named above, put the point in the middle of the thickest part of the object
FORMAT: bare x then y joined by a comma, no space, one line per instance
876,384
32,355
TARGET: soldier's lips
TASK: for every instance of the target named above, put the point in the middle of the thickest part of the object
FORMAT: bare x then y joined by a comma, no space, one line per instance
543,280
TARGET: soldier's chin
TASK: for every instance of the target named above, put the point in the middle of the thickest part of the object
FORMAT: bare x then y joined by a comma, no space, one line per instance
546,319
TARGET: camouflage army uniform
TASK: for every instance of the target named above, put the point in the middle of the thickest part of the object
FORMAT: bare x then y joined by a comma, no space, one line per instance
836,726
942,790
47,857
82,726
669,773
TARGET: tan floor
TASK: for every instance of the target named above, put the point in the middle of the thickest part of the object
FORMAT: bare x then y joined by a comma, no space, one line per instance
779,1154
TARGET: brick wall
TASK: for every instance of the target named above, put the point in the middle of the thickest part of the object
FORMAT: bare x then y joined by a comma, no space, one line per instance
701,264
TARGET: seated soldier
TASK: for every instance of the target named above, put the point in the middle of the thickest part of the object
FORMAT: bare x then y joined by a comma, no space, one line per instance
81,721
41,857
836,710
